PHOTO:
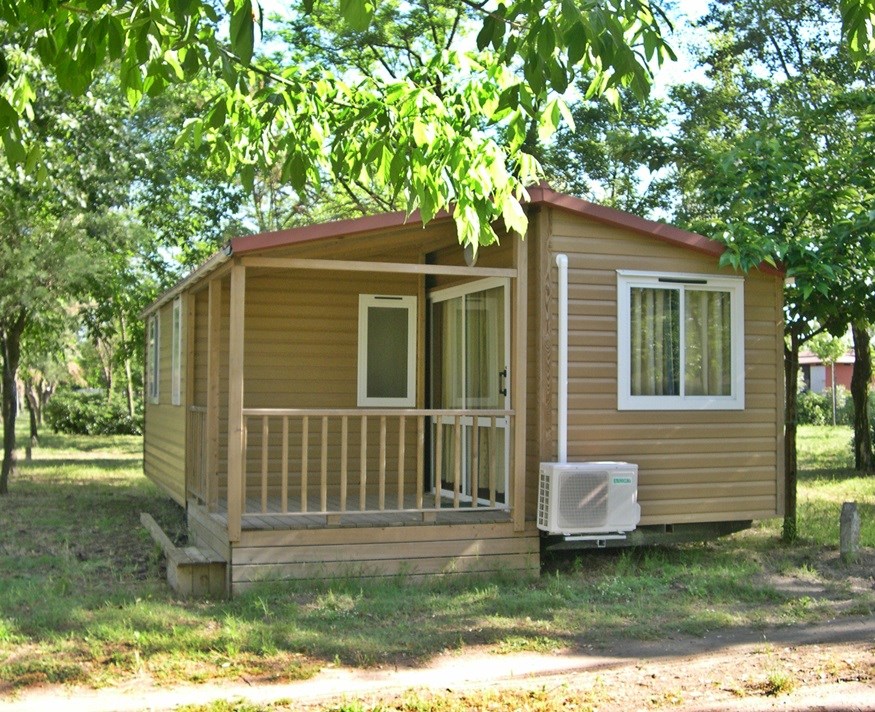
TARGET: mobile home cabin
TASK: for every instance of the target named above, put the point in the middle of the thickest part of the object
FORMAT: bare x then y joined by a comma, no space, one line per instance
358,398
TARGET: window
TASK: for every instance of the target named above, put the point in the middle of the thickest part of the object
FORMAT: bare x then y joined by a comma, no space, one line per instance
176,354
387,351
680,341
153,330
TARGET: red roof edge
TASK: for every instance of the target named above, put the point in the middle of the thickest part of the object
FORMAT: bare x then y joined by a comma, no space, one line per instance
538,195
544,194
327,230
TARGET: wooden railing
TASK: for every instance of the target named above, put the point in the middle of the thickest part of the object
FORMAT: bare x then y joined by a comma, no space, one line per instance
197,484
330,462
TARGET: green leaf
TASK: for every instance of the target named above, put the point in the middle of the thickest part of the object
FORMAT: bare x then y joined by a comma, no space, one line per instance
357,13
216,117
14,149
242,29
115,38
247,177
484,37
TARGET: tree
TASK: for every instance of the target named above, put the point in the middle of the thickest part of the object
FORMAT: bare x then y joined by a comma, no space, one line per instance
829,349
860,380
775,159
428,135
50,249
616,159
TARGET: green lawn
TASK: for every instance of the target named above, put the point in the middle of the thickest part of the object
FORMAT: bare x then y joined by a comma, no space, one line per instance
82,595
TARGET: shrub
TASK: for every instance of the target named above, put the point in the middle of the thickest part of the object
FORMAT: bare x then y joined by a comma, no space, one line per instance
89,413
813,408
816,408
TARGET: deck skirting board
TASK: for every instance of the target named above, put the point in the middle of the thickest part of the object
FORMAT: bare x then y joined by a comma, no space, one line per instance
390,551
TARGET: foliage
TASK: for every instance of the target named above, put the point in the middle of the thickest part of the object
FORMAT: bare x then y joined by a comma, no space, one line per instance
827,348
89,412
816,408
615,159
424,134
775,160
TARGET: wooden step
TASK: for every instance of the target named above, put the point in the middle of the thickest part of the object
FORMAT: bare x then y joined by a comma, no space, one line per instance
191,571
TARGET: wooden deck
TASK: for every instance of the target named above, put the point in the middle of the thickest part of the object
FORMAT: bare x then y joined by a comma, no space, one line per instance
274,520
416,544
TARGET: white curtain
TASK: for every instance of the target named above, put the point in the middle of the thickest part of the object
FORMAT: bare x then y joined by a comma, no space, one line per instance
708,365
655,342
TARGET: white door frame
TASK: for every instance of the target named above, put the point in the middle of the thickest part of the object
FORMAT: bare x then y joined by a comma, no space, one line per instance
460,290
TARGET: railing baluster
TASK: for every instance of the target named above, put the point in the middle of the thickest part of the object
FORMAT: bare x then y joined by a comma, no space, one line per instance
284,486
475,460
402,427
305,460
265,434
382,493
420,458
344,443
493,437
438,461
457,461
363,481
323,493
243,457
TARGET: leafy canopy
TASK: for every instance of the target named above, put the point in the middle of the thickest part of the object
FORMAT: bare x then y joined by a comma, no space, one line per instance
428,133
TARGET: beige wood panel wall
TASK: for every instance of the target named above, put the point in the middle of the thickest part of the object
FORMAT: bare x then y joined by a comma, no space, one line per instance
383,551
164,437
693,466
302,352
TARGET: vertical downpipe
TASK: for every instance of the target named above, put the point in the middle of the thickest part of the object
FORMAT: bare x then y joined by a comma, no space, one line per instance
562,264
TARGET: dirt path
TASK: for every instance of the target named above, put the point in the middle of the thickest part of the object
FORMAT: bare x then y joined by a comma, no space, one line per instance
830,666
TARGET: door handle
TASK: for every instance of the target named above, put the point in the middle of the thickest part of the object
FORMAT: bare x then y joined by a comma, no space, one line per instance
502,382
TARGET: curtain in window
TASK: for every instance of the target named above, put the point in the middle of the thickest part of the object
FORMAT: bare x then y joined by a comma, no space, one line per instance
708,362
655,342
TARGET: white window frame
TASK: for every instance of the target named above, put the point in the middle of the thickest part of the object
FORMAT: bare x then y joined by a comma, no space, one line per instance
626,281
392,301
176,353
153,347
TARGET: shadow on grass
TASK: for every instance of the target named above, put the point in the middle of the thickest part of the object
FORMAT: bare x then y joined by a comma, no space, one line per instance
82,583
830,474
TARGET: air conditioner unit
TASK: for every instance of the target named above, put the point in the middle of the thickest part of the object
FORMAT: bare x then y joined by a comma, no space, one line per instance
588,497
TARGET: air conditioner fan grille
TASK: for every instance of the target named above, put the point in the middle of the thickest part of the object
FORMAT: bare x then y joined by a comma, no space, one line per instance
583,500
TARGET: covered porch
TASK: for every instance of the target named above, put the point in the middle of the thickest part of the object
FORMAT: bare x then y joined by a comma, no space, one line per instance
264,459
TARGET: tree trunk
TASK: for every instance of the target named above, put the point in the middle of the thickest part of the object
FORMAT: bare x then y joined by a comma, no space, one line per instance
10,343
791,375
32,400
129,379
862,376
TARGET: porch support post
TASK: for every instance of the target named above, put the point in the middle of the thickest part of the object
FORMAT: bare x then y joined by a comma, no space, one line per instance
214,327
235,402
188,326
518,370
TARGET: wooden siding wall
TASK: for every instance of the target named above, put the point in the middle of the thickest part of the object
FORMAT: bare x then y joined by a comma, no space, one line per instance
301,352
414,551
164,438
694,466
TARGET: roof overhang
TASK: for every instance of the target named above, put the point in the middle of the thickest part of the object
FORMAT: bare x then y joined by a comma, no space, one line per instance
540,195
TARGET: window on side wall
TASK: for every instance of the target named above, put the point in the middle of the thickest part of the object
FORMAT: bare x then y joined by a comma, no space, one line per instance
153,357
176,354
387,351
680,341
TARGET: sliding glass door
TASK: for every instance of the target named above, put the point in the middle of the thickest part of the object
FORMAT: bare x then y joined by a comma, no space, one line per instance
469,371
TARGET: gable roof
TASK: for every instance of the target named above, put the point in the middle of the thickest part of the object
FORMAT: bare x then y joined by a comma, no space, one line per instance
539,196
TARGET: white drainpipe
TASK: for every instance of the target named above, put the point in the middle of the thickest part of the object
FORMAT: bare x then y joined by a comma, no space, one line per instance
562,264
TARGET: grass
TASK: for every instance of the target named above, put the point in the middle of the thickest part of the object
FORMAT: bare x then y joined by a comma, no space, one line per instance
83,599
